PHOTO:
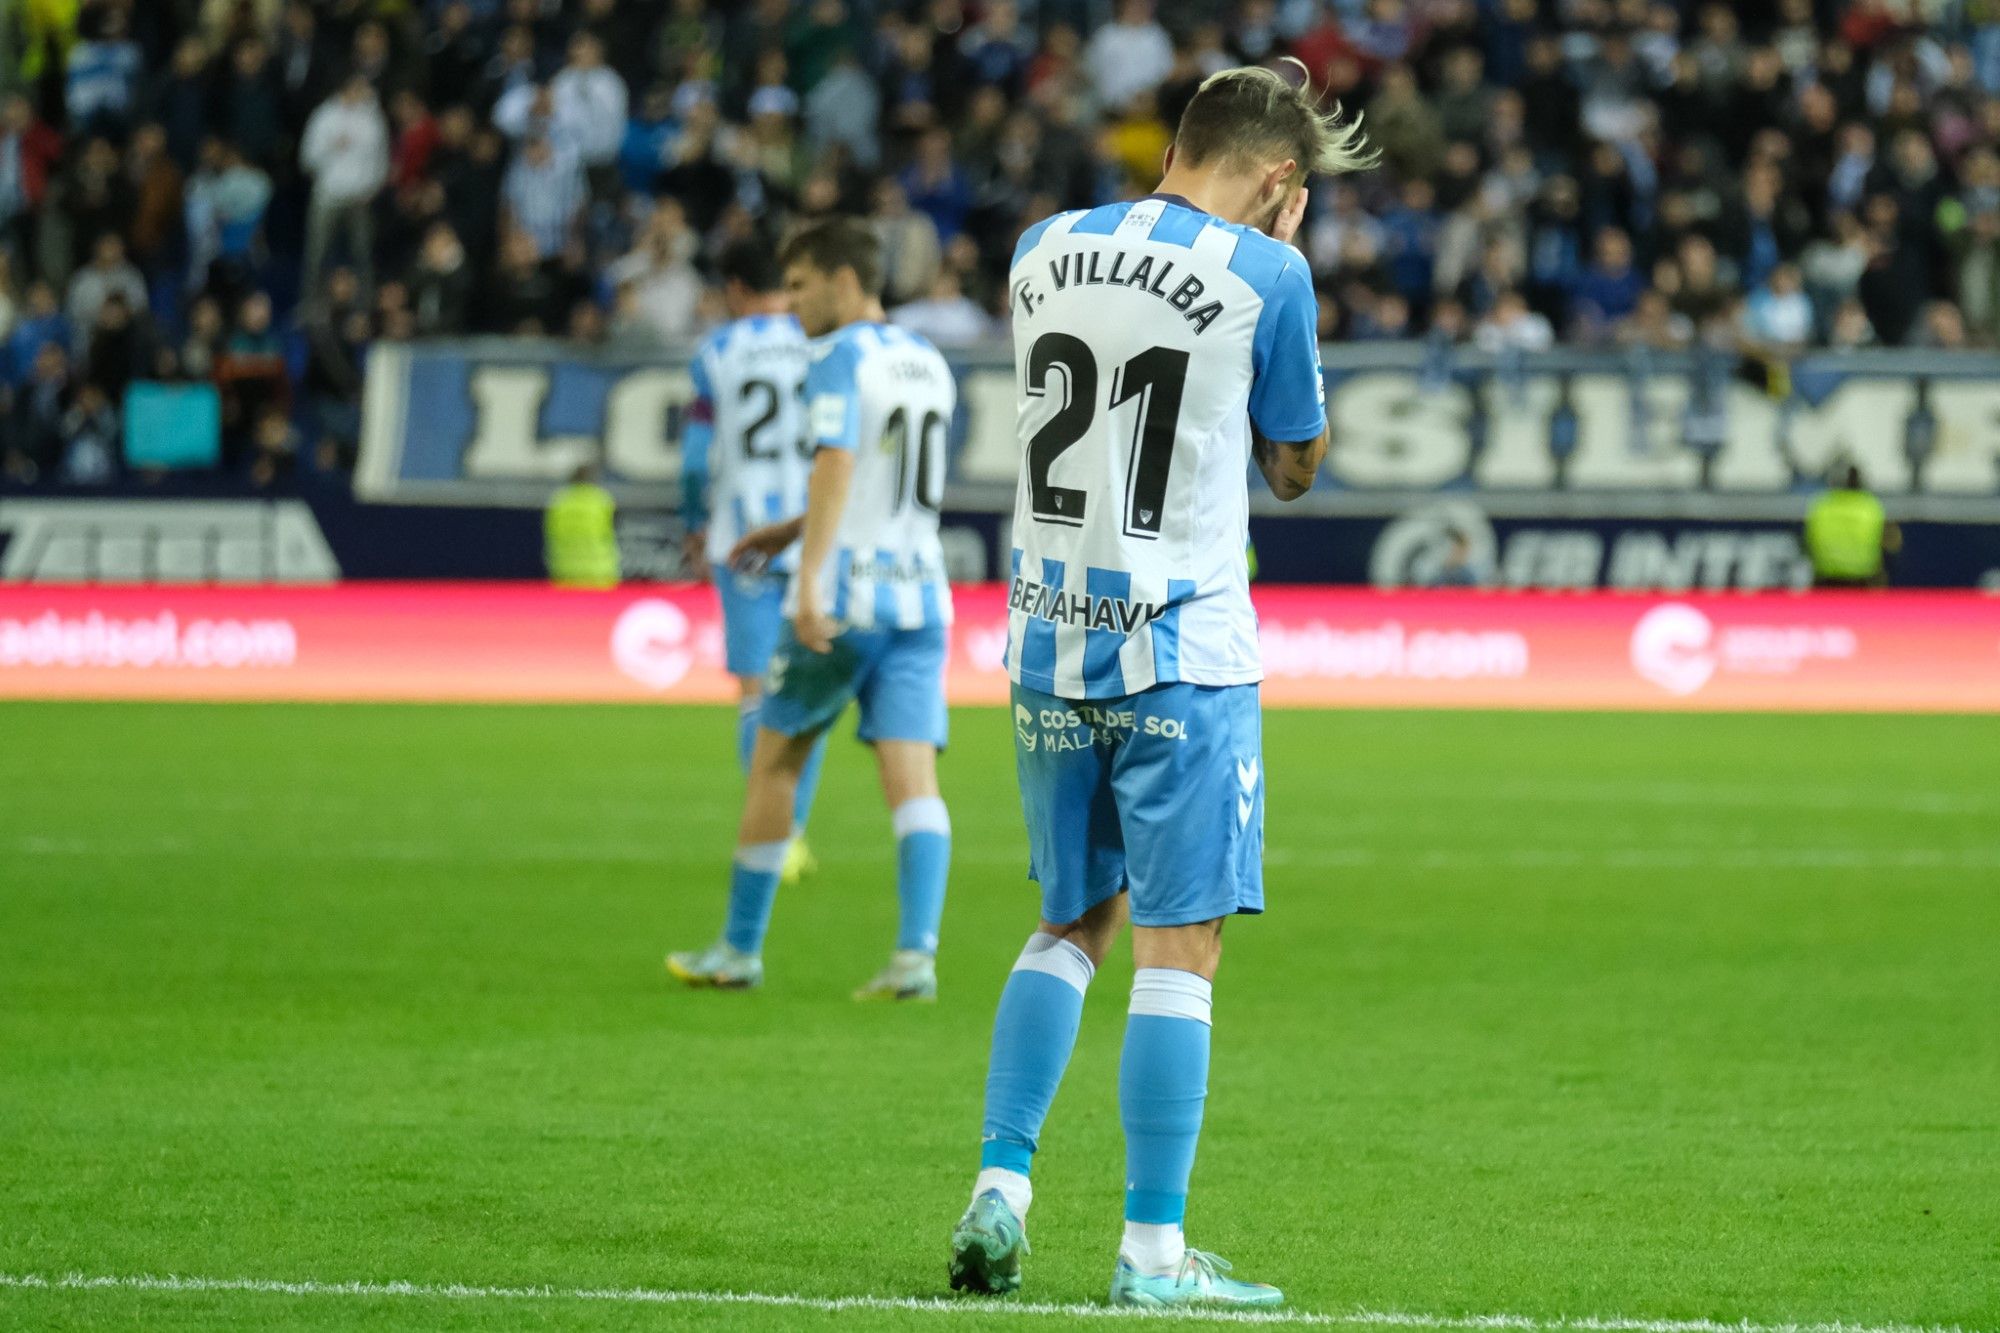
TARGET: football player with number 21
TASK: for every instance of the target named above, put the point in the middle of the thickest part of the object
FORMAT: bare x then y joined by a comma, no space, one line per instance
1161,347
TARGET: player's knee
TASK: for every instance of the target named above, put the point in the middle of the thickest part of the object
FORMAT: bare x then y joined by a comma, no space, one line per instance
779,758
1195,948
1095,931
908,770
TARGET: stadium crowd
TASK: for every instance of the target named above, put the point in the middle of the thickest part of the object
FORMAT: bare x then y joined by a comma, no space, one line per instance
251,192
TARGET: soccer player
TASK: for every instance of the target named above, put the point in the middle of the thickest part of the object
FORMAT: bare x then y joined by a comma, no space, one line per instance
1160,347
867,608
744,463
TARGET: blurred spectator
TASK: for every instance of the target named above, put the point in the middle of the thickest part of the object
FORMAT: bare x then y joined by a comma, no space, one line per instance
38,321
118,350
590,104
180,101
89,434
306,63
251,104
1512,326
471,171
659,291
996,53
1779,314
250,373
416,139
346,152
1464,103
843,111
92,198
337,331
1978,258
529,295
35,425
29,152
700,174
1130,55
440,285
911,250
935,186
1404,126
274,447
158,198
1609,290
226,204
201,350
544,193
109,273
101,76
947,316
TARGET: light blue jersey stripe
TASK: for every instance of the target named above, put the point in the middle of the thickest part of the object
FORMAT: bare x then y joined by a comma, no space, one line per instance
1167,633
1178,225
842,563
1013,572
933,607
1038,637
1101,221
885,594
1032,237
1102,675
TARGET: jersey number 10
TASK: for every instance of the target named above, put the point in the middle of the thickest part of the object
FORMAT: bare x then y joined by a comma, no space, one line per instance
1156,377
919,480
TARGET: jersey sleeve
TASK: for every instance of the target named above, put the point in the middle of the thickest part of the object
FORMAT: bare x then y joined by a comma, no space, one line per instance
696,436
833,403
1287,391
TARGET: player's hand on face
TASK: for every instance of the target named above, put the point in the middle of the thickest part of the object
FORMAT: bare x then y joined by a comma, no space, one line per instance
1286,224
814,629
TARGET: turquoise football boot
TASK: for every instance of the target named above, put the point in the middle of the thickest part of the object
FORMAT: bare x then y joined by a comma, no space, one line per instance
910,975
1199,1283
718,966
986,1247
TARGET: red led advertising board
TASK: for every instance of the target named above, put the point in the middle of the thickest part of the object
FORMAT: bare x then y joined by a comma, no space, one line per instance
1323,647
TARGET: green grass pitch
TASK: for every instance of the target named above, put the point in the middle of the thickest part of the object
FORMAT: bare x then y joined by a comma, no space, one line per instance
1594,1015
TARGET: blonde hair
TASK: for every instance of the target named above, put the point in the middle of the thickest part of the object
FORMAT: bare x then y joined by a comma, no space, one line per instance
1248,114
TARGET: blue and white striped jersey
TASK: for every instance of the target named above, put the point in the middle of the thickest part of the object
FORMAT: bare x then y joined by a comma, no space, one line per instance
886,394
1147,336
745,437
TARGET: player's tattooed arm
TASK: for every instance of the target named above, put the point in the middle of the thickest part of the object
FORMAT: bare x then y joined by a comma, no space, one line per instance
1289,466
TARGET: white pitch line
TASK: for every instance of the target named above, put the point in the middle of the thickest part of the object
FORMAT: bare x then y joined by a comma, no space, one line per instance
1488,1323
1499,857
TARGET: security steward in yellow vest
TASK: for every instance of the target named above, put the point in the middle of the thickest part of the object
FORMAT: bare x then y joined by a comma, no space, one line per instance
1847,535
579,539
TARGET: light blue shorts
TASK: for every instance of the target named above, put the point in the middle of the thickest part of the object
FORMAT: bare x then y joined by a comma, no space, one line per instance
753,611
1160,792
897,676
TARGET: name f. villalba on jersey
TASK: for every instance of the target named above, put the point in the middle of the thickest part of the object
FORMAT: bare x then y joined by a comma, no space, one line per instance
1086,270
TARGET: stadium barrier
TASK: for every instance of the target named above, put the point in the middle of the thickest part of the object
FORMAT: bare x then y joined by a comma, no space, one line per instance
1323,647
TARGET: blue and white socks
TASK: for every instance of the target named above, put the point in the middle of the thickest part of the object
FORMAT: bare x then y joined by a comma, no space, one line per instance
1033,1035
753,887
923,862
1162,1086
